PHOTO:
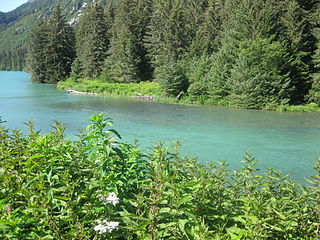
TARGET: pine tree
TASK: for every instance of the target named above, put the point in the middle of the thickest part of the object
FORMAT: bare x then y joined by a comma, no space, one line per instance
258,77
92,40
128,61
294,34
51,49
244,21
141,15
155,37
36,59
168,40
178,35
173,79
206,40
61,51
122,64
314,94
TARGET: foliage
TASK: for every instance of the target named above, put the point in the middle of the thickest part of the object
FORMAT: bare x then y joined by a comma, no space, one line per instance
97,187
225,48
112,89
92,40
51,49
16,27
258,77
197,75
314,94
128,61
172,78
311,107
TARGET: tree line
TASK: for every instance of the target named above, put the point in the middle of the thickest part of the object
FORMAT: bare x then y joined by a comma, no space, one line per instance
13,59
252,53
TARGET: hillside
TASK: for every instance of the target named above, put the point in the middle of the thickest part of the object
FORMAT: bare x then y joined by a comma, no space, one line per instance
16,25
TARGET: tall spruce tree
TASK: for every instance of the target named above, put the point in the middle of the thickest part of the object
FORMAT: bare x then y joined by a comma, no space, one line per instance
51,49
294,33
128,61
92,40
206,40
36,57
168,40
248,25
259,77
141,15
122,64
314,94
155,37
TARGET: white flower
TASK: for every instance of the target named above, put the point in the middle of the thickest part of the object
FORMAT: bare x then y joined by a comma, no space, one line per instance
106,227
100,229
110,198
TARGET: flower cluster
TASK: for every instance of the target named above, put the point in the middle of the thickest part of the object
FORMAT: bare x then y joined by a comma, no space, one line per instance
106,226
110,198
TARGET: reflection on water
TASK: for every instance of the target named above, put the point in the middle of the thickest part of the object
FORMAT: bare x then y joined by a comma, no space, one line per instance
289,141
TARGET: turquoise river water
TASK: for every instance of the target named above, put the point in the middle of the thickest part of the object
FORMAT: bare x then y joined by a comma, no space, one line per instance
286,141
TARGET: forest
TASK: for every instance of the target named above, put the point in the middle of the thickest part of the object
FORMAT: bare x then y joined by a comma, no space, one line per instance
248,53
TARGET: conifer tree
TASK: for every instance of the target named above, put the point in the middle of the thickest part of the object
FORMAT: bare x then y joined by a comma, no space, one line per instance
294,34
51,49
314,94
155,37
92,40
251,22
258,77
61,51
122,64
141,15
169,38
206,40
36,52
179,33
128,61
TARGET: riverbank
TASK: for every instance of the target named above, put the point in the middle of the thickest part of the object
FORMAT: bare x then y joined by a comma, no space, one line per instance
88,86
152,91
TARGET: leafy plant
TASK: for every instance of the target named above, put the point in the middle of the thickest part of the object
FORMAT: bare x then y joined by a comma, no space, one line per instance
97,187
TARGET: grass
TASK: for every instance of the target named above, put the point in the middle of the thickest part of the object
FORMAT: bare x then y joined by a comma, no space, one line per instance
111,89
311,107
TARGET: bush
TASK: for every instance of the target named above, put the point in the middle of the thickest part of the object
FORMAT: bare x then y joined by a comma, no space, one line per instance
109,89
97,187
172,78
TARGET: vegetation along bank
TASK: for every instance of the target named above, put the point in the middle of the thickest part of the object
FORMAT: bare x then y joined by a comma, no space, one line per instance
98,187
250,54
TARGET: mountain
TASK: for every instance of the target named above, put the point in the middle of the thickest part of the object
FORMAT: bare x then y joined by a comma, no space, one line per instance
16,25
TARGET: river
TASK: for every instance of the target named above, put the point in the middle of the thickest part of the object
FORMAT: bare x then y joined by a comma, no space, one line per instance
286,141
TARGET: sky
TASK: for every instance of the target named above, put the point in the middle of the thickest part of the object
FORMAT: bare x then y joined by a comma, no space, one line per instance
8,5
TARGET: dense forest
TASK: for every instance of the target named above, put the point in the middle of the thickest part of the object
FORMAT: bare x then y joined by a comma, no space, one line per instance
16,25
253,53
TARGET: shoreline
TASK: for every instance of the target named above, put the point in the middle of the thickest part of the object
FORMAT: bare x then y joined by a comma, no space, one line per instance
144,97
138,91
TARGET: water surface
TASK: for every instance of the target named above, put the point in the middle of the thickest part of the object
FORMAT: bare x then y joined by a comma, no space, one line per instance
287,141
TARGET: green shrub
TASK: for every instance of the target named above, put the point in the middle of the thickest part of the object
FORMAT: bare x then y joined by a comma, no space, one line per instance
97,187
110,89
172,78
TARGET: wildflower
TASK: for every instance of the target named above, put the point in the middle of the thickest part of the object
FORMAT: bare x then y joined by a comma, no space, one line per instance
110,198
106,226
8,208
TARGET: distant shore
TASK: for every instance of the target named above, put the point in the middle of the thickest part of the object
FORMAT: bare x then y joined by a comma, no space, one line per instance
151,91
